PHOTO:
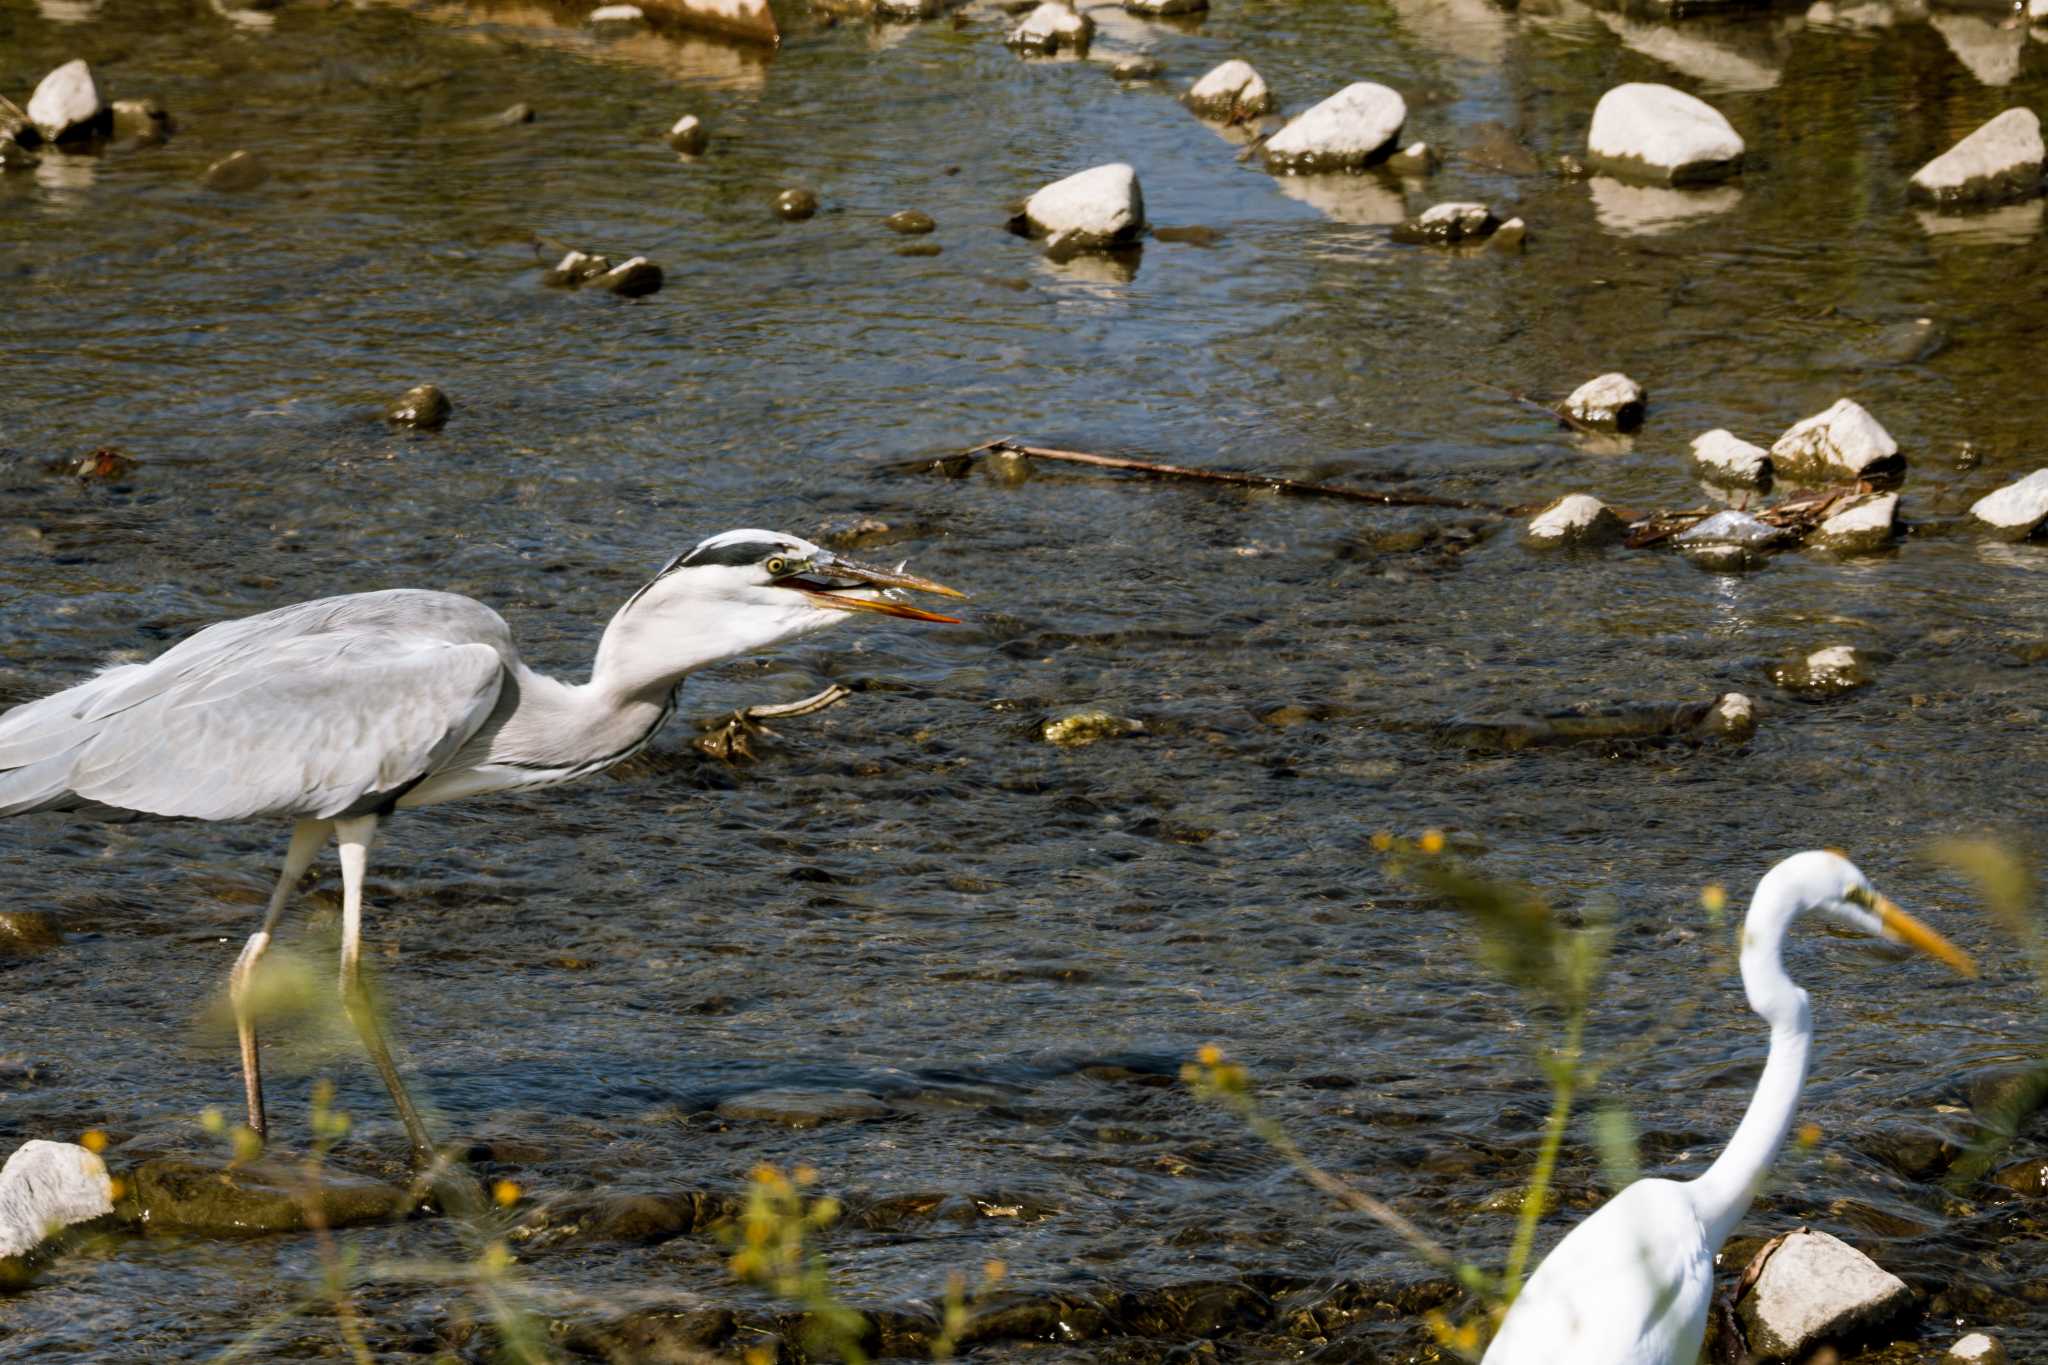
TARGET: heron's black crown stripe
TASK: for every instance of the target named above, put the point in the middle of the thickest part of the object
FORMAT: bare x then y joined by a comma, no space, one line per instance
732,554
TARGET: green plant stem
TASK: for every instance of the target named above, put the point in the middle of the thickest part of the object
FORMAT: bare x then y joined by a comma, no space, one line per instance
1563,1087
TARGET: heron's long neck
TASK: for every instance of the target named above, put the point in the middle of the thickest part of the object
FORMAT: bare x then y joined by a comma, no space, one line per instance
656,639
1723,1194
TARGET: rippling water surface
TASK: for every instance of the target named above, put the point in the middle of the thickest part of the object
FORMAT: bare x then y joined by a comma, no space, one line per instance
911,896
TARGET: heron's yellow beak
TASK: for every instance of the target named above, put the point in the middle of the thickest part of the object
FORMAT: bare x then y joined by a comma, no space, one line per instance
1903,927
844,585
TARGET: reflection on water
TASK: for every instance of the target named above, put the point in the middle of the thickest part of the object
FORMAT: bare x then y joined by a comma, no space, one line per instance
2008,224
1717,64
1367,199
1647,210
1990,50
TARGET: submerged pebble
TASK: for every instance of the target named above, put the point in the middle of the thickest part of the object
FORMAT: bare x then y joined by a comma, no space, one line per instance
1824,672
1449,225
28,931
423,406
141,121
804,1108
211,1197
236,172
688,135
1141,68
1417,158
1080,728
910,222
795,205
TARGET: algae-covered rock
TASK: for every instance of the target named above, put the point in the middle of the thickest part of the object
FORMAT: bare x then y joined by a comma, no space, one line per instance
423,406
1080,728
213,1197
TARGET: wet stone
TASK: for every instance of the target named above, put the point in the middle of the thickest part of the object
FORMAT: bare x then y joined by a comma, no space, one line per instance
236,172
1914,1152
1449,225
1417,158
1154,7
920,249
654,1336
67,104
44,1188
1051,28
2015,511
423,406
512,116
1511,236
1861,528
1145,68
1843,443
1351,129
910,222
1611,402
1232,92
1577,519
2029,1177
141,121
795,205
1976,1349
1814,1289
1493,146
1998,163
15,124
804,1108
1080,728
630,279
1099,208
688,135
1726,458
28,931
1729,541
625,16
574,268
1653,132
213,1197
1824,672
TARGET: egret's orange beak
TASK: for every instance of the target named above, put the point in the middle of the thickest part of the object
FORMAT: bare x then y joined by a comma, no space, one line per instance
1903,927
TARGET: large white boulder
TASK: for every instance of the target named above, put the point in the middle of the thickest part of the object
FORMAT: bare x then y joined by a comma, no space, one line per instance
1815,1289
1051,27
46,1187
1574,519
1726,458
2014,511
1098,208
1845,442
1860,528
1612,402
2002,160
1232,91
66,102
1653,132
1355,127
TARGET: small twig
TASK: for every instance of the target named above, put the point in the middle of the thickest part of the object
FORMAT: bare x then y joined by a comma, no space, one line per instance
1584,428
1240,480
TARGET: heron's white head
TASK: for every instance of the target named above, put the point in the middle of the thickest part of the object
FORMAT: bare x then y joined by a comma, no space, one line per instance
1825,881
746,590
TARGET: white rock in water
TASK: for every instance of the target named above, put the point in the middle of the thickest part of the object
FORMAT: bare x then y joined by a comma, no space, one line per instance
910,9
1731,527
617,14
1352,128
1231,91
688,135
2002,160
1098,208
1612,400
1816,1288
65,101
1728,459
48,1186
1657,133
1835,669
1733,715
1860,528
2015,510
1165,6
1845,442
1448,224
1574,519
1976,1349
1051,27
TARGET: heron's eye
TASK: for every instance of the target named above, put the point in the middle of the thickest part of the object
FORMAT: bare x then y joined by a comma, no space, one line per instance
776,566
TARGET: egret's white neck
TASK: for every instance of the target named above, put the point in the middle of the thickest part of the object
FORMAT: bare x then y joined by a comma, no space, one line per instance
1723,1194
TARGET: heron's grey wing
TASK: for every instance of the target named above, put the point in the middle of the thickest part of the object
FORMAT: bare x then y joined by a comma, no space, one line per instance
318,724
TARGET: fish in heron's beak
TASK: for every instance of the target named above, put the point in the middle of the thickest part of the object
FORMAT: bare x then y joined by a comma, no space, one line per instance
1903,928
844,585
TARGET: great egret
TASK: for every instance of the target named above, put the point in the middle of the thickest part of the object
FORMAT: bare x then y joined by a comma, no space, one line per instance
339,711
1632,1284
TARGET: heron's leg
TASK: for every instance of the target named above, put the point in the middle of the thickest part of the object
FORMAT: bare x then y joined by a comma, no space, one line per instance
307,837
354,836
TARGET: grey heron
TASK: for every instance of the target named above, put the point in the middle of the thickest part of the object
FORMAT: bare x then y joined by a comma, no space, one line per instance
340,711
1632,1284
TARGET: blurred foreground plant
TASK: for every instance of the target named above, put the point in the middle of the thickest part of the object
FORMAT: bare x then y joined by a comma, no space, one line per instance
2013,897
774,1253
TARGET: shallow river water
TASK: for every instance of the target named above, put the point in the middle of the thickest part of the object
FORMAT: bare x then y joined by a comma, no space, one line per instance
995,952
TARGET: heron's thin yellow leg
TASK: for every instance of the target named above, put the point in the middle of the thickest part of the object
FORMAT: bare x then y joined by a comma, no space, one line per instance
354,836
307,838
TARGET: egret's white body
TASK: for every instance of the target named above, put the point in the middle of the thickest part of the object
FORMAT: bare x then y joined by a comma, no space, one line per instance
1633,1283
338,712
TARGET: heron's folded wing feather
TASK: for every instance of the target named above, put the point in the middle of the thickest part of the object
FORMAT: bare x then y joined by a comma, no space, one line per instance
315,725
